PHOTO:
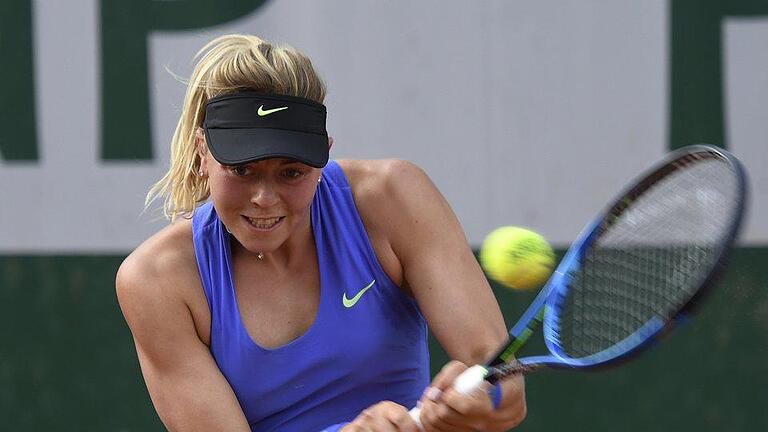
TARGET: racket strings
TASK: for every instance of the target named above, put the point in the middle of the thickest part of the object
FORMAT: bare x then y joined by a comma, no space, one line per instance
650,259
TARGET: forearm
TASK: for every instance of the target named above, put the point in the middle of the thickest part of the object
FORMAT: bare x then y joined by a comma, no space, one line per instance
189,392
192,413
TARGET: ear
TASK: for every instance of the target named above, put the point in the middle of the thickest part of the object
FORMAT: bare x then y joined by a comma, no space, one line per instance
202,149
330,142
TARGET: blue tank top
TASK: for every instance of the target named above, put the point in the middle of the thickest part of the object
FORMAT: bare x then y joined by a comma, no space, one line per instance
350,358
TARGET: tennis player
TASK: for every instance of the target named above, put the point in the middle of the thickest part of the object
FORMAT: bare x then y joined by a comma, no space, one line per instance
290,292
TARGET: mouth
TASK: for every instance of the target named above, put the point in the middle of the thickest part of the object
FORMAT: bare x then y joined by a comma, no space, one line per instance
264,224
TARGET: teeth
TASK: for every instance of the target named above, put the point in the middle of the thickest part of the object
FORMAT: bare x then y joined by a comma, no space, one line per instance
264,222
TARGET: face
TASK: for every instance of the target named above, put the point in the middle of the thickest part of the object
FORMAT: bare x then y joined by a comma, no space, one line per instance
263,204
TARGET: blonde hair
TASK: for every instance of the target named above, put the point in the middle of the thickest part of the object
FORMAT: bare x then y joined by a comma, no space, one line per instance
227,64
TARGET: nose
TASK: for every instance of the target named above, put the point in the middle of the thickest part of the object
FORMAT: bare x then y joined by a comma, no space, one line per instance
263,194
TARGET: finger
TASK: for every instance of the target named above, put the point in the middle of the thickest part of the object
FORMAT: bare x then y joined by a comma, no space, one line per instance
476,403
375,419
430,393
402,420
390,416
382,424
436,416
448,374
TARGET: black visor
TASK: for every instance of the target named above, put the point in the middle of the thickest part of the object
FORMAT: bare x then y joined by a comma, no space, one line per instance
247,127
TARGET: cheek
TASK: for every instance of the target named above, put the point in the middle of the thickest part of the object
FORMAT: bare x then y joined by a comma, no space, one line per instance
226,194
300,198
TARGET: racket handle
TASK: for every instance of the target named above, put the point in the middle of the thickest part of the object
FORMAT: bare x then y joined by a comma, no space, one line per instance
466,383
415,413
470,380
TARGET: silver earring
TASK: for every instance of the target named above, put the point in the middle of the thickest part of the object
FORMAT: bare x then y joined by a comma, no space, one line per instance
260,256
319,179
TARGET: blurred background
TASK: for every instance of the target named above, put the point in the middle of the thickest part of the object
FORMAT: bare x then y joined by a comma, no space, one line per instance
523,113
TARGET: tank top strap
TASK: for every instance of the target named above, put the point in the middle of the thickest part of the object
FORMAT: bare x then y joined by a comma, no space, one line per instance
333,176
211,252
343,240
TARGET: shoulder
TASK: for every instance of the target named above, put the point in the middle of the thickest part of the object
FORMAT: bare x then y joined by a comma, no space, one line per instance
381,176
394,198
169,249
387,187
160,274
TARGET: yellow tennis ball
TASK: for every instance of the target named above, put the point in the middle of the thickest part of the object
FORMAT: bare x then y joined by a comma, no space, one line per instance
517,257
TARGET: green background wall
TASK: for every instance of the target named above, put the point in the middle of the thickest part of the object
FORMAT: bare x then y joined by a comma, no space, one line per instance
69,363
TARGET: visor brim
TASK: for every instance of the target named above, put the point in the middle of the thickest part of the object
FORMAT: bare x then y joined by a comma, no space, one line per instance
242,146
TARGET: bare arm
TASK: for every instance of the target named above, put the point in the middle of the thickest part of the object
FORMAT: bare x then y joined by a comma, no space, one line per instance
442,274
437,264
187,388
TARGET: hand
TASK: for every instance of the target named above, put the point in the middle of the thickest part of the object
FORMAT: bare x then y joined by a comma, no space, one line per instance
383,417
445,410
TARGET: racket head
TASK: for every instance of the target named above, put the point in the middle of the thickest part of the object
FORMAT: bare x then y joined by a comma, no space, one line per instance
584,335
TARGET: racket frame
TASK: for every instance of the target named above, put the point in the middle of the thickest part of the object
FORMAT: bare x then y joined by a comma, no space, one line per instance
553,294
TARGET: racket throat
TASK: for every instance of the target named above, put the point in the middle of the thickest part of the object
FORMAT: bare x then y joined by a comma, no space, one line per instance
502,371
506,354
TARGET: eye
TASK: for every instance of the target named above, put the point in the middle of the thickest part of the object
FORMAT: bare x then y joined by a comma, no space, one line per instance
292,173
239,170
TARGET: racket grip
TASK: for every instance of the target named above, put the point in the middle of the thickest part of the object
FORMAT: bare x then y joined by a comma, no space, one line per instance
466,383
470,380
415,413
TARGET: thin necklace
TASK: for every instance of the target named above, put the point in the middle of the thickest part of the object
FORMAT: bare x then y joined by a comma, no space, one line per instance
260,255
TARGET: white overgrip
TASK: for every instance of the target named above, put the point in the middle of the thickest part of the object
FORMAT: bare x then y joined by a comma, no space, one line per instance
469,381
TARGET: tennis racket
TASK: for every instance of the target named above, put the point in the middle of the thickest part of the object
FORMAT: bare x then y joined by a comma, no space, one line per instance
632,273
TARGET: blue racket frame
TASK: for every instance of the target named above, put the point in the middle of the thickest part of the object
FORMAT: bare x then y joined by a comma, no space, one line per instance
551,298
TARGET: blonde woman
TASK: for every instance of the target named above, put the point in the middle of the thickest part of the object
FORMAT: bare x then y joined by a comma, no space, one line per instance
290,292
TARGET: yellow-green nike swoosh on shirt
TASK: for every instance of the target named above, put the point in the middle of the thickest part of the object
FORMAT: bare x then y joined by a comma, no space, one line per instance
262,112
348,303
